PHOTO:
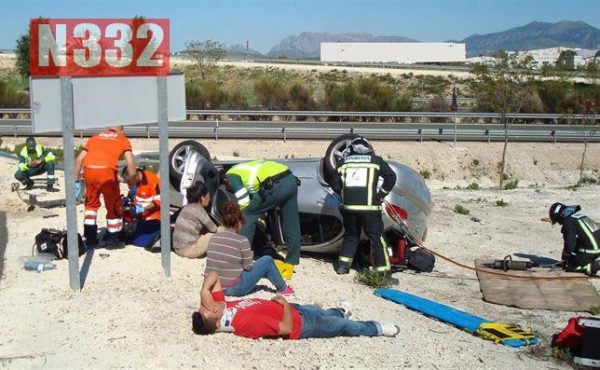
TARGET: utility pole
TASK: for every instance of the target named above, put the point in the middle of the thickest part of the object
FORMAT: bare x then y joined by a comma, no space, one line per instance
246,56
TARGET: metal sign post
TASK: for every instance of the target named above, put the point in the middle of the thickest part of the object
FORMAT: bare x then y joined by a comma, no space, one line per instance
68,126
165,202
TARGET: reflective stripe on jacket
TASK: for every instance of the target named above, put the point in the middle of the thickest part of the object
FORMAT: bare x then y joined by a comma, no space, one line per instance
245,178
148,193
26,157
358,176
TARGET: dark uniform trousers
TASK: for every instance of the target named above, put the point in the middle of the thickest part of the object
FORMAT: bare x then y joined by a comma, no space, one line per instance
372,224
283,194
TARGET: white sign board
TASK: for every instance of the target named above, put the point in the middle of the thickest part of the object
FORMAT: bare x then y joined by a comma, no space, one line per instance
103,101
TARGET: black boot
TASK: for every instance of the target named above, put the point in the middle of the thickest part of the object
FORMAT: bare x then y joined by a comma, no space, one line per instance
50,188
90,232
28,184
113,240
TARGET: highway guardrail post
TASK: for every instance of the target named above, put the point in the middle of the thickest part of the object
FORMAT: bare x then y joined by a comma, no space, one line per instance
148,132
217,129
420,135
487,132
554,133
284,134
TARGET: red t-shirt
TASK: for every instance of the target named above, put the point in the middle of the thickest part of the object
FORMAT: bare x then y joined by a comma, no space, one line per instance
257,318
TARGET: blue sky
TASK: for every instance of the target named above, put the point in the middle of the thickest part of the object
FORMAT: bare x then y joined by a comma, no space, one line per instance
265,23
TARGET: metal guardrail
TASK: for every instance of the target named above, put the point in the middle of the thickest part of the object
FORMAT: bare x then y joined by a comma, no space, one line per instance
448,115
283,130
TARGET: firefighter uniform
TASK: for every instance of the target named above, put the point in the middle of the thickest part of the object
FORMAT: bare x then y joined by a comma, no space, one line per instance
100,176
261,186
24,172
581,251
358,175
147,230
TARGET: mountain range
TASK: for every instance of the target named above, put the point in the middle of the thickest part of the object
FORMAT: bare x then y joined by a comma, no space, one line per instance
535,35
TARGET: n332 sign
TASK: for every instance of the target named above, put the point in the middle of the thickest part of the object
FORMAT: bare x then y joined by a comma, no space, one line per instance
99,47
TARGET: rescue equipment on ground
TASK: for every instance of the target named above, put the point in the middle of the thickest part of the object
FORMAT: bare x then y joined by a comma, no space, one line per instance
510,335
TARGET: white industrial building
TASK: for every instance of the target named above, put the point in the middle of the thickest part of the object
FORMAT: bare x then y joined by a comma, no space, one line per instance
548,56
393,52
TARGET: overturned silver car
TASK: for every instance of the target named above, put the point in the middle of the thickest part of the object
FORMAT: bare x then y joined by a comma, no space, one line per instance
321,221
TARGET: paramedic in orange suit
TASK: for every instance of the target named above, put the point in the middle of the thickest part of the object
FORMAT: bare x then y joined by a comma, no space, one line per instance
99,159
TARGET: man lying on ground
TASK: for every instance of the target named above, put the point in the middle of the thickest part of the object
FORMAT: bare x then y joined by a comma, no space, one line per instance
261,318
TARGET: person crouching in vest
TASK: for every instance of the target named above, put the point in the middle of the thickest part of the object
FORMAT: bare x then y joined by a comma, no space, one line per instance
261,186
356,181
581,235
35,160
144,206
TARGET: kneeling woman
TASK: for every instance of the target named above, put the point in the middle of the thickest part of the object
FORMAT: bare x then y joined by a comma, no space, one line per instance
229,254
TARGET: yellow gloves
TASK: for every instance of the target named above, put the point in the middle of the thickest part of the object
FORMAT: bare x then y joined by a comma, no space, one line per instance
286,269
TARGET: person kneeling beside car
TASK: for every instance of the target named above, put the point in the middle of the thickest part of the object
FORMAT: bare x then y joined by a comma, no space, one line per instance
144,206
276,318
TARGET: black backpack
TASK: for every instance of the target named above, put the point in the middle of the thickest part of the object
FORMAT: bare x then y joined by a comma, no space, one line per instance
55,241
420,259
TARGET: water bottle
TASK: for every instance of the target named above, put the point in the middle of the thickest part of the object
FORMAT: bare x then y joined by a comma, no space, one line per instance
39,262
39,266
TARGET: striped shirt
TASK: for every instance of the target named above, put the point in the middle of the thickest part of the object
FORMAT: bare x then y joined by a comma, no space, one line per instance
192,222
228,254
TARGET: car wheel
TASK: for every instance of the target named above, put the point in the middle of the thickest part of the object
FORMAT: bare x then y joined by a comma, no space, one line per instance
334,153
177,158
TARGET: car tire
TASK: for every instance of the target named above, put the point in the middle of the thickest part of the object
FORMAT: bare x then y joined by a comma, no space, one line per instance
332,154
177,157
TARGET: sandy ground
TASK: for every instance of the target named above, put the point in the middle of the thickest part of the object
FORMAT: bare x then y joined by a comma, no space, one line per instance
129,315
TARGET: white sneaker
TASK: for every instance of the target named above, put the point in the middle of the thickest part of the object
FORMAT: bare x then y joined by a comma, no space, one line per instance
389,330
345,307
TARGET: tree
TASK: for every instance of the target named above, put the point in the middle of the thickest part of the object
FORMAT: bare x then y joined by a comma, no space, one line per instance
504,88
22,51
566,60
204,54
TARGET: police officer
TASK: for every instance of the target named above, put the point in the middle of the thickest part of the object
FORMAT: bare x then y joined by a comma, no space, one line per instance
261,186
581,251
35,160
357,178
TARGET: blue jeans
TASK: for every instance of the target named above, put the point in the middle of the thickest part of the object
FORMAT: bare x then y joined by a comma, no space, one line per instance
146,233
320,323
264,267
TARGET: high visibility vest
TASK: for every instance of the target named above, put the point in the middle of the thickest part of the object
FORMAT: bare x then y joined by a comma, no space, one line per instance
245,178
39,153
148,192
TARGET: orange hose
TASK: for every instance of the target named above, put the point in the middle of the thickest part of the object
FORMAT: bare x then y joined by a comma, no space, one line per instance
396,217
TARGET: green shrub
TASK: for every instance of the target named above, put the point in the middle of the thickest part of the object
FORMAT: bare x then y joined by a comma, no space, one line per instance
511,185
425,173
11,95
206,94
271,93
475,162
371,278
573,187
301,98
461,210
473,186
501,203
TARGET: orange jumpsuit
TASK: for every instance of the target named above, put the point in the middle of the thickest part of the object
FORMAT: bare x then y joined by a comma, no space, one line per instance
100,174
148,192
